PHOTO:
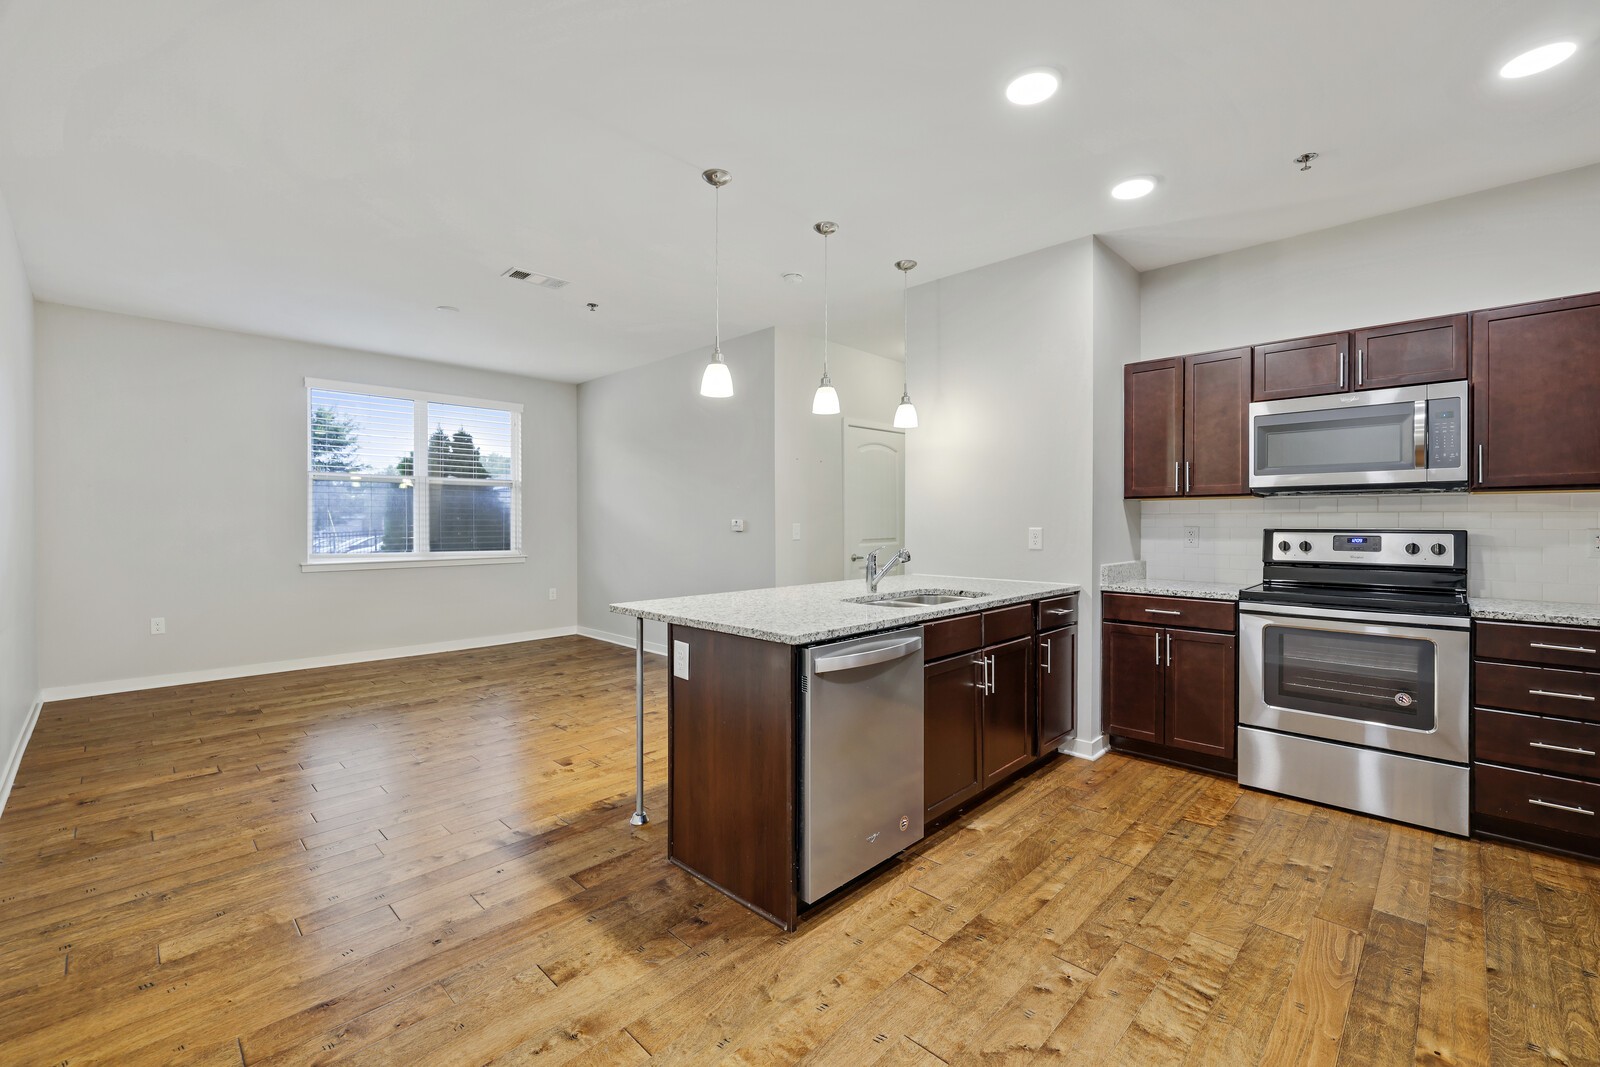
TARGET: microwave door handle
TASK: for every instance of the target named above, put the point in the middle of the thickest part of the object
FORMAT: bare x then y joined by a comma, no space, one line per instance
1419,431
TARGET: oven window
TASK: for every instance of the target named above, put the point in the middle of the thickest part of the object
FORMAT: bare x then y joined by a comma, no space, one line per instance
1377,438
1365,677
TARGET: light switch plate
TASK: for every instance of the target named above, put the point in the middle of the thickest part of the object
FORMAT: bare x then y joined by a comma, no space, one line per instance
680,659
794,532
738,526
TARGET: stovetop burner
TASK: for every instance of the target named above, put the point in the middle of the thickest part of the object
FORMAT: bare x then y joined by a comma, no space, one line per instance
1357,598
1416,572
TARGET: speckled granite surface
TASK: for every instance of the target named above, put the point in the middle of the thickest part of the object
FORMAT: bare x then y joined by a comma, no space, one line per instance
1550,612
805,614
1129,578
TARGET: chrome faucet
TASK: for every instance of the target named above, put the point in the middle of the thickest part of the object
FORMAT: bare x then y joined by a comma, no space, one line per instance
875,573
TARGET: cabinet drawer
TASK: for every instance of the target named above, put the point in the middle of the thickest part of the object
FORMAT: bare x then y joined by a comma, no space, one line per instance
1170,611
1569,748
1062,611
947,637
1544,690
1005,624
1558,646
1564,804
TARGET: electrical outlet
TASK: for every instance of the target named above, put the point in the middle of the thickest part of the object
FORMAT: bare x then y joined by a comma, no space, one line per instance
794,532
158,626
1035,538
1191,535
738,526
680,659
1594,544
552,592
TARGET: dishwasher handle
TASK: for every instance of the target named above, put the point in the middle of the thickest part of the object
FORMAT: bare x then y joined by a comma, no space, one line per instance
866,657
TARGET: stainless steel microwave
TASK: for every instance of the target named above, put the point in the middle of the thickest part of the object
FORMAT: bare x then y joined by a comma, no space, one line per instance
1414,437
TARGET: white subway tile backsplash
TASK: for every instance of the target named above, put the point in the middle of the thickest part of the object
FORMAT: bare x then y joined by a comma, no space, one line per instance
1522,546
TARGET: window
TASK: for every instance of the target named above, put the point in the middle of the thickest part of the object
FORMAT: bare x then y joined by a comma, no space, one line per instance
369,451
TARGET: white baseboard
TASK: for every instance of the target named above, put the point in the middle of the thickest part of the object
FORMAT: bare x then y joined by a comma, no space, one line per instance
656,647
215,674
14,760
1091,748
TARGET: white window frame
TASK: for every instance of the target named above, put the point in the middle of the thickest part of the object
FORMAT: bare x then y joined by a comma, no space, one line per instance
421,478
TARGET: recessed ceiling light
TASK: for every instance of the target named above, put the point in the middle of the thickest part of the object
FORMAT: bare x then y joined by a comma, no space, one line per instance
1539,59
446,307
1133,188
1033,86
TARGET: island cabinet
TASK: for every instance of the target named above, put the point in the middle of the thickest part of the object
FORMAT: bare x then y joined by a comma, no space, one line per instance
1184,425
1056,672
1535,392
1170,679
1536,735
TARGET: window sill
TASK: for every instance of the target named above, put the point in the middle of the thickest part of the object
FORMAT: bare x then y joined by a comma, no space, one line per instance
396,564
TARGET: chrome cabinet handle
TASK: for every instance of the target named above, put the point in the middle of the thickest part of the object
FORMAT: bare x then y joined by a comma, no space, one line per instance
1361,366
1161,611
1044,646
1559,807
1177,476
1561,648
1563,696
1480,462
1561,748
983,674
1344,359
1187,484
1069,611
992,673
1169,649
1158,648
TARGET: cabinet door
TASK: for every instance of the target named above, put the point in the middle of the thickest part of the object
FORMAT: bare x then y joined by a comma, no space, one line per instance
952,745
1057,675
1007,709
1216,423
1308,366
1133,680
1202,696
1412,353
1152,428
1535,392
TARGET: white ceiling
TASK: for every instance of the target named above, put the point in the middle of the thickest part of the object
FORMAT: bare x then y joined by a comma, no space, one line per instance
331,171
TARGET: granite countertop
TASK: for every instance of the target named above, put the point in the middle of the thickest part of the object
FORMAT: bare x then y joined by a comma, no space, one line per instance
1130,578
1549,612
805,614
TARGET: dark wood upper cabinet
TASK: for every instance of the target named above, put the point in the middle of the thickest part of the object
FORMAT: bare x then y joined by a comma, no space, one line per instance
1057,686
952,733
1152,428
1411,353
1216,423
1007,709
1536,394
1306,366
1131,681
1202,685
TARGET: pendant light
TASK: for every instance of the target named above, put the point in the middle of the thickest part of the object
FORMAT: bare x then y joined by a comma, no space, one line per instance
905,416
826,402
716,381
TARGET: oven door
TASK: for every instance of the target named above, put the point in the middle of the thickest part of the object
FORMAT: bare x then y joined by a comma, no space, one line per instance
1399,685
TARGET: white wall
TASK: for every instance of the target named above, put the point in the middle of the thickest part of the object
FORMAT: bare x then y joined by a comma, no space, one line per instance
809,449
1529,241
18,678
174,485
663,471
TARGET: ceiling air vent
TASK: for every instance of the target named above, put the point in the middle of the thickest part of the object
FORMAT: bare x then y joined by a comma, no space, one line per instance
533,278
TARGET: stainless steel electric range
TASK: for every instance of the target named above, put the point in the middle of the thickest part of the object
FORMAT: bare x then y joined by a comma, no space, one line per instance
1354,658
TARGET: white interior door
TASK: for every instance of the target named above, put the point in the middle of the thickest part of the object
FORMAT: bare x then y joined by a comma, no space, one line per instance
874,494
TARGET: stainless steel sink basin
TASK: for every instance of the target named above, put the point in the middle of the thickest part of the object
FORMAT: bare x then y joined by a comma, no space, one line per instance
916,598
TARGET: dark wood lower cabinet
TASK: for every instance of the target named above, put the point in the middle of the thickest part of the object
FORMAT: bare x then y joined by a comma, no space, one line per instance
1171,693
1008,740
1202,692
1056,673
952,733
1132,682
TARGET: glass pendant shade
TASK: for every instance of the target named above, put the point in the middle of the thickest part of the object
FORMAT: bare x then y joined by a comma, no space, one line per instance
905,416
826,402
716,381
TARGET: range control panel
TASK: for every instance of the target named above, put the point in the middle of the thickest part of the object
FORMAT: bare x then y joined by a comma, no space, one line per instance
1372,548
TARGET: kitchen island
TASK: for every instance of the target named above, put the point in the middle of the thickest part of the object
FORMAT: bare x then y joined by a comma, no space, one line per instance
737,778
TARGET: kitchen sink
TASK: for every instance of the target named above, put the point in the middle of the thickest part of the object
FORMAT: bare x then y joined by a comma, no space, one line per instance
916,598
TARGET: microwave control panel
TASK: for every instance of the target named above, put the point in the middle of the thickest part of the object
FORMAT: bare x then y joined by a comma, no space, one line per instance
1445,433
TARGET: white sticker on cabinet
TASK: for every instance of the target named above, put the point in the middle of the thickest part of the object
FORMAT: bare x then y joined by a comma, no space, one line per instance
680,659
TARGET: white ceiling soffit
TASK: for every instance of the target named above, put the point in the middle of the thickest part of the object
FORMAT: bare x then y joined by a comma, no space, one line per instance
333,171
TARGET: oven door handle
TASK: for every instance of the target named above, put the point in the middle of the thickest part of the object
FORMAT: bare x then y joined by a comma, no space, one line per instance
1369,618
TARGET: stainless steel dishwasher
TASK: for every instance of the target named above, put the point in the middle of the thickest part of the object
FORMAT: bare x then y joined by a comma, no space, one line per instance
861,756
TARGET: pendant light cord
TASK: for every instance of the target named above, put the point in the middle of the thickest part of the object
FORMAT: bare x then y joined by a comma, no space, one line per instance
905,336
716,260
825,306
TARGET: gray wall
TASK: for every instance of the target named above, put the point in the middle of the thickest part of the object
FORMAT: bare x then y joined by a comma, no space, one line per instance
174,485
662,471
1528,241
18,682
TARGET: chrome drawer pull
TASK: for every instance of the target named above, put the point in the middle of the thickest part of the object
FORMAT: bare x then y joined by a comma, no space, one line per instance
1559,807
1561,648
1161,611
1561,748
1563,696
1061,611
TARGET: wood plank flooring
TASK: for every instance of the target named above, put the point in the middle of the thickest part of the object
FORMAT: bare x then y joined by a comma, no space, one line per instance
429,861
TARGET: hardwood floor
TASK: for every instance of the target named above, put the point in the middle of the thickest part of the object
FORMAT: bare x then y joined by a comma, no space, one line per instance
429,862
